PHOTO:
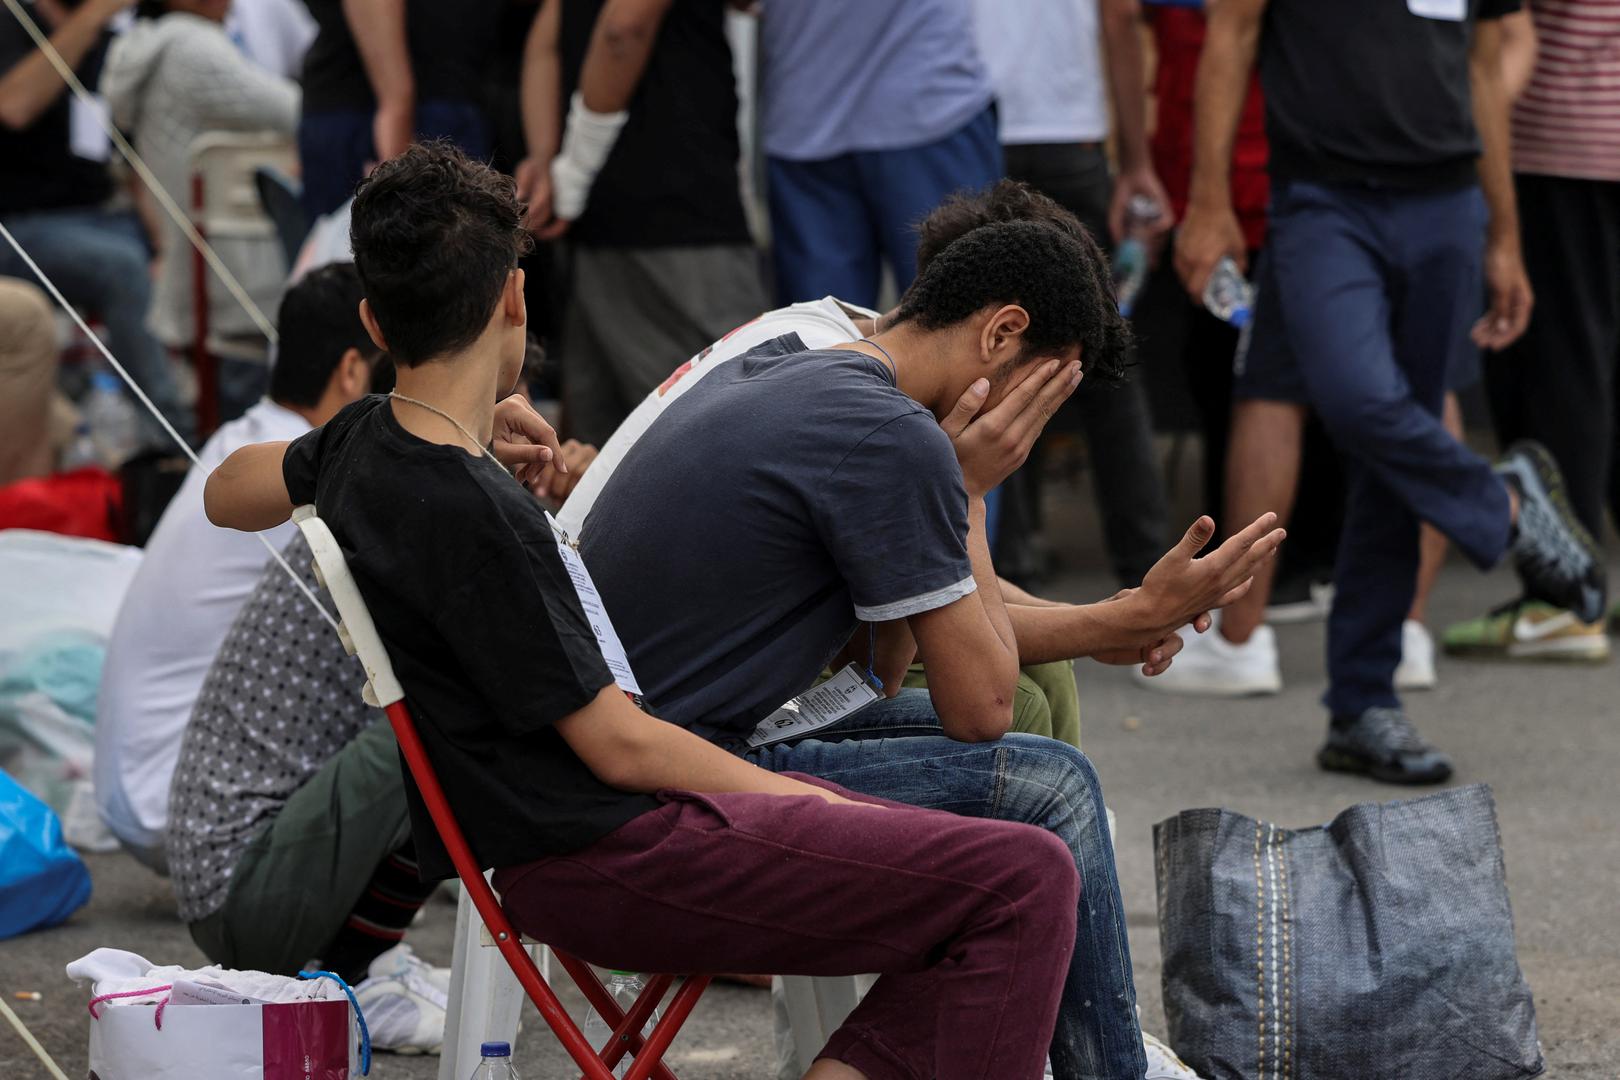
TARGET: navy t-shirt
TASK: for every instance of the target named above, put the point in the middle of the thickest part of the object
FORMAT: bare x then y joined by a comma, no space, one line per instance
783,498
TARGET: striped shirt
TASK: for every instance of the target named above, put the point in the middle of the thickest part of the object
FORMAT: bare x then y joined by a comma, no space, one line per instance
1567,123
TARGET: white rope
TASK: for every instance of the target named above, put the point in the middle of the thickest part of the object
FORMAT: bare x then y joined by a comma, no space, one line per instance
228,279
50,286
31,1042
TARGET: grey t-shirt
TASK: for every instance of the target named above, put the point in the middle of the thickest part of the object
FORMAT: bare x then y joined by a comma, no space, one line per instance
784,497
280,701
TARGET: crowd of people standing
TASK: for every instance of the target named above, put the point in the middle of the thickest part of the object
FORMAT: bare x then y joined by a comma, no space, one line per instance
1405,186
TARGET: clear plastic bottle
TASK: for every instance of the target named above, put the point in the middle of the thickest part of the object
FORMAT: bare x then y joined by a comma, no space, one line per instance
1137,251
82,450
496,1063
625,986
1228,295
115,426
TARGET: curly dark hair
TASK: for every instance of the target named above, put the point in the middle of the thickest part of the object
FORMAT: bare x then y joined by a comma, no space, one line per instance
1005,200
1057,275
435,235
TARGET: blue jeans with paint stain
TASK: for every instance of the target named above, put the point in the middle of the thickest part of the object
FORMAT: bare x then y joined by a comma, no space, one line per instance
894,749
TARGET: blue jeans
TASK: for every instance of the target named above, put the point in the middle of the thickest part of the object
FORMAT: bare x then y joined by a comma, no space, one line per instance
99,259
335,148
1376,290
834,222
894,750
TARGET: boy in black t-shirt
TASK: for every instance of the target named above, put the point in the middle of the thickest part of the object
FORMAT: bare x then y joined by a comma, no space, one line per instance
615,835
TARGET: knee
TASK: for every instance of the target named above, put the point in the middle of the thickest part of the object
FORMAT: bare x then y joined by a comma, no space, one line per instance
119,272
1051,769
1041,877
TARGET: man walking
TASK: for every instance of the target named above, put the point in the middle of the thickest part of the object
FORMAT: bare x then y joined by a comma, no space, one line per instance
1392,204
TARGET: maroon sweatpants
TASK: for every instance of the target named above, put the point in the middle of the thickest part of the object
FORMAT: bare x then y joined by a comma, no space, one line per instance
970,922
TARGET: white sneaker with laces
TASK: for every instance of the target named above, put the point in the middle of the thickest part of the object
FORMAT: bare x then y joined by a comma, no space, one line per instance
404,998
1163,1063
1416,669
1210,666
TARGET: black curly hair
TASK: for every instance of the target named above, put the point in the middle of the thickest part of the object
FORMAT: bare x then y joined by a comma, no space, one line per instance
1058,275
435,235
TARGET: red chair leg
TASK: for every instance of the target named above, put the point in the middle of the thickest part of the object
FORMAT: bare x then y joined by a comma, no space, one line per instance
649,1061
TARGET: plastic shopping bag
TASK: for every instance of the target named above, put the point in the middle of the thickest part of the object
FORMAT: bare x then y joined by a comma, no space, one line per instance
306,1040
1378,946
172,1023
42,881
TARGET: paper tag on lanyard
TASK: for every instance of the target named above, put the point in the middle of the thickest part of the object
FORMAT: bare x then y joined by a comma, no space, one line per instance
842,695
607,638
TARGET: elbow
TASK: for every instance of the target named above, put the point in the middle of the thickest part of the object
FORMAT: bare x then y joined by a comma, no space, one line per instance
626,33
985,720
214,501
14,116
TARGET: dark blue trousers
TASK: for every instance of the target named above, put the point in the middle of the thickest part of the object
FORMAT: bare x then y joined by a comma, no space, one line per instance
835,221
1377,290
335,147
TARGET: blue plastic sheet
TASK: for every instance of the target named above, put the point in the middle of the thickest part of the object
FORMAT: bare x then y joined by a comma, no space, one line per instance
42,880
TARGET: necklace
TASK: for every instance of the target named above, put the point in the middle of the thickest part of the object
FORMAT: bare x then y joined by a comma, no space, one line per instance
893,369
397,396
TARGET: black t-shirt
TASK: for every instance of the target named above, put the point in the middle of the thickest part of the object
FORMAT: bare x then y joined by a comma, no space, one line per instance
449,42
462,576
1372,92
38,169
671,179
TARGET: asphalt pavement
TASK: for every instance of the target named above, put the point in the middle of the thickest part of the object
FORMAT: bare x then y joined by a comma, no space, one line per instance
1544,738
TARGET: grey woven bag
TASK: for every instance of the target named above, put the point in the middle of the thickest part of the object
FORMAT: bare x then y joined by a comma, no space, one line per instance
1376,947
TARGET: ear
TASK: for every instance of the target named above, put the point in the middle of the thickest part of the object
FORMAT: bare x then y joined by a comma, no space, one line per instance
1002,334
517,309
353,375
368,319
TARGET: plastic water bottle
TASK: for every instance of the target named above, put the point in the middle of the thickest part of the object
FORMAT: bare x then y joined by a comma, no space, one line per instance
625,986
1228,295
114,424
496,1063
82,450
1134,257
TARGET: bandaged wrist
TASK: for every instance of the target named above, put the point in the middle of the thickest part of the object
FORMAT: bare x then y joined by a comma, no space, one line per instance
587,141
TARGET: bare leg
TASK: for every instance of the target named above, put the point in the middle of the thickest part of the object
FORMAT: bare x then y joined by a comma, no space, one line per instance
1433,545
1262,471
827,1069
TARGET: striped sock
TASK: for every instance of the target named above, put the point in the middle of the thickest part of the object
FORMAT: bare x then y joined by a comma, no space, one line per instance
381,916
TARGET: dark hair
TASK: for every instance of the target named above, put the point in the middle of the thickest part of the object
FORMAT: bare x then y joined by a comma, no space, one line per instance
151,9
1061,279
318,322
1005,200
435,235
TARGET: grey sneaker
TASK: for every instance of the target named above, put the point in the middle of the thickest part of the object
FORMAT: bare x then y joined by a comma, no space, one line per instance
1383,744
1556,557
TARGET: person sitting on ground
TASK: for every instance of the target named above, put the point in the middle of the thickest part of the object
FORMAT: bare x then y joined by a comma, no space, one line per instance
614,834
815,492
194,577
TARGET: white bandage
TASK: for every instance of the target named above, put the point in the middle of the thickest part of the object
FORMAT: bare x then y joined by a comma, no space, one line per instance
587,141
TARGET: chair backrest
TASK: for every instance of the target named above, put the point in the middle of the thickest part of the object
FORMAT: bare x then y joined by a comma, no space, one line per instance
279,195
359,636
225,162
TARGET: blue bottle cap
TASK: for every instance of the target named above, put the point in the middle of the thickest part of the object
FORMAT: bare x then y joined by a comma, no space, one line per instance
1239,317
495,1049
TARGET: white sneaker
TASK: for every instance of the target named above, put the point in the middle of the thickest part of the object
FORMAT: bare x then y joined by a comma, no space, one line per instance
1211,666
404,999
1163,1063
1416,669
